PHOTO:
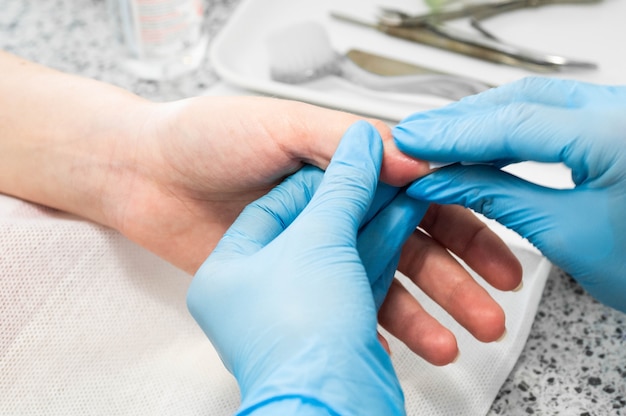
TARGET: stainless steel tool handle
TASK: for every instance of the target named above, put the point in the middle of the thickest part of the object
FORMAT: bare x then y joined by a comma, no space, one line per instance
484,52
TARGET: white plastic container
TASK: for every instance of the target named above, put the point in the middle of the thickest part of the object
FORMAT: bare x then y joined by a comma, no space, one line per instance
160,39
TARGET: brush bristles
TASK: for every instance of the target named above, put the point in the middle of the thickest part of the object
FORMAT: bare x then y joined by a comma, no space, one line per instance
301,53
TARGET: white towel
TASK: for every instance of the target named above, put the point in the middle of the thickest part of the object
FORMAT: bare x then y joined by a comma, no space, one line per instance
92,324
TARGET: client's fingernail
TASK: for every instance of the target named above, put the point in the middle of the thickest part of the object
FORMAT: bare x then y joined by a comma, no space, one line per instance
519,287
503,336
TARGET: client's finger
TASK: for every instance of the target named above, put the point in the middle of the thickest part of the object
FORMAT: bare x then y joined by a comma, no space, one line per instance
431,267
403,317
438,274
459,230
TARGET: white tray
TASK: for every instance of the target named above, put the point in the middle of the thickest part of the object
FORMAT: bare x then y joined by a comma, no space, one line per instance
590,32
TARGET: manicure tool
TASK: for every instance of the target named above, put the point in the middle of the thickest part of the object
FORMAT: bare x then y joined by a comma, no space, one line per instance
430,29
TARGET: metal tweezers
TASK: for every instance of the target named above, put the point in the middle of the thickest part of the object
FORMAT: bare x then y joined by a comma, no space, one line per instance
430,29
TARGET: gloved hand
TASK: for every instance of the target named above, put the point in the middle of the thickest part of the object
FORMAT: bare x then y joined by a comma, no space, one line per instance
581,230
287,300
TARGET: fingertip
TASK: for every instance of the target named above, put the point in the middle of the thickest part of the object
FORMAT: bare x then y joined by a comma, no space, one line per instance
508,267
399,169
417,135
511,279
442,349
482,249
405,319
491,323
499,266
404,137
433,188
437,344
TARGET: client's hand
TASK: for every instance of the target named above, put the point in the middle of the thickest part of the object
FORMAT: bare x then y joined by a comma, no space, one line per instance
200,161
174,176
285,297
582,230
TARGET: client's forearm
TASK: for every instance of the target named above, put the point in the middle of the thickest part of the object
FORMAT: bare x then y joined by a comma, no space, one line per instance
64,139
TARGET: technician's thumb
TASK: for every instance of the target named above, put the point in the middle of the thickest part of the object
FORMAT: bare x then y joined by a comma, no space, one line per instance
350,181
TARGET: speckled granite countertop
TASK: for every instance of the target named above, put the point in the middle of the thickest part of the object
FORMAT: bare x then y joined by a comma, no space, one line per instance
574,362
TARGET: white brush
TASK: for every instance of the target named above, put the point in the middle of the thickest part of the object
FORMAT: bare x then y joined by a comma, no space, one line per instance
303,53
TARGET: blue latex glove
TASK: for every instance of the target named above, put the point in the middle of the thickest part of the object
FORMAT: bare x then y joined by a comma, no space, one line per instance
581,230
287,301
